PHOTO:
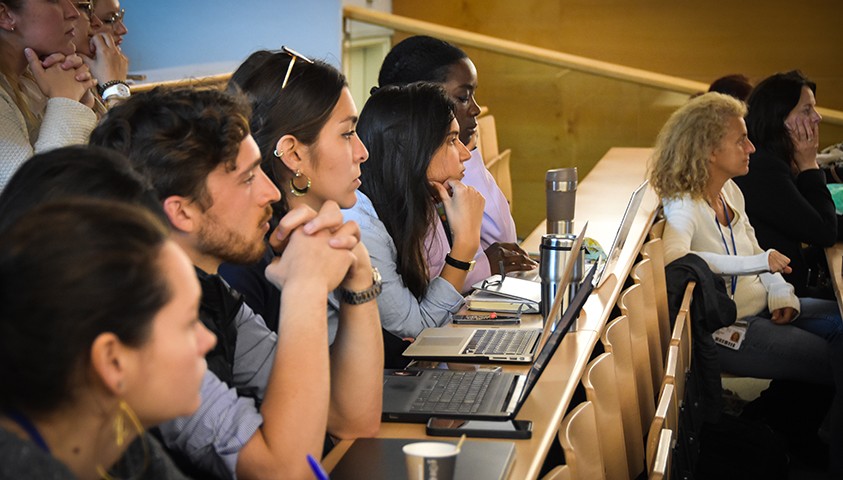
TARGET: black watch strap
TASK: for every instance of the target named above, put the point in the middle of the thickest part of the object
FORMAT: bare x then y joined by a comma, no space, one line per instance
467,266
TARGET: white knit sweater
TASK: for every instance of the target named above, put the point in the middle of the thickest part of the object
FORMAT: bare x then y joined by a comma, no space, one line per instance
692,228
59,122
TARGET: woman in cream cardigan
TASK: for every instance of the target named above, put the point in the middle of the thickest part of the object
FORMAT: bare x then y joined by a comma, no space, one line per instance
45,99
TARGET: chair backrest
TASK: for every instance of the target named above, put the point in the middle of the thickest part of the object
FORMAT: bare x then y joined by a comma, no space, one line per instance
499,167
487,134
667,416
664,456
601,389
654,251
578,437
657,230
630,304
560,472
616,341
642,274
675,373
681,338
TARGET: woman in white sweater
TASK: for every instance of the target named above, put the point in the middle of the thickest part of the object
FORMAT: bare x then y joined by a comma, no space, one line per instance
45,100
701,148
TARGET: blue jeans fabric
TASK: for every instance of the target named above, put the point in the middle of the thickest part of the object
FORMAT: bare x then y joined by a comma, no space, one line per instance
798,351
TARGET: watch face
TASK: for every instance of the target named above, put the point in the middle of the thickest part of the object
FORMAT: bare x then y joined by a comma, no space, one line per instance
117,90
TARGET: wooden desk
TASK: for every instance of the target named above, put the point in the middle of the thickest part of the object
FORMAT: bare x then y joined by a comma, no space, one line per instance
601,199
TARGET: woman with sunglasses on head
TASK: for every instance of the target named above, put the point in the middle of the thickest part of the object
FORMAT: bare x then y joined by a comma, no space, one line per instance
103,57
786,195
45,100
416,162
426,59
125,349
303,120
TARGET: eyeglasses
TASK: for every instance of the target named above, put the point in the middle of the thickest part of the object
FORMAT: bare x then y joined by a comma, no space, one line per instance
295,55
114,17
86,7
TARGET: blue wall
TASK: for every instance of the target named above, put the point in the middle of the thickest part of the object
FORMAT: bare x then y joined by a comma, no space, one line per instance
173,38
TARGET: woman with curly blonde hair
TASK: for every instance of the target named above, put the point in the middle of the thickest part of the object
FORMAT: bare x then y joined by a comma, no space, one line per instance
700,149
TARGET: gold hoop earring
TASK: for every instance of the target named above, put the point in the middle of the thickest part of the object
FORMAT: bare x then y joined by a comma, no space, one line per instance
295,189
121,432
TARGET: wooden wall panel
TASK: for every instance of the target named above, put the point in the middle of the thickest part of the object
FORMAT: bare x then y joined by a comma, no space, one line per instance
551,117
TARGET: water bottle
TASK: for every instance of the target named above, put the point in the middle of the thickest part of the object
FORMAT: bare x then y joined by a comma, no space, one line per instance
555,252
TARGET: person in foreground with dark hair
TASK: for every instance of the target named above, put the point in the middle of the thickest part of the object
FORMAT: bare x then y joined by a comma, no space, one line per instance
195,148
786,196
426,59
99,339
415,161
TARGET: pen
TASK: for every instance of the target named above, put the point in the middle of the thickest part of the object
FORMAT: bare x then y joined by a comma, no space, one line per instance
318,471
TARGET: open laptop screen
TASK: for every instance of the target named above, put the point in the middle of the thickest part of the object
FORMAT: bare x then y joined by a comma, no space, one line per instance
623,230
555,338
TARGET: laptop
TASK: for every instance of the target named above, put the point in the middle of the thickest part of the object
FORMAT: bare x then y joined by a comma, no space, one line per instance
416,395
488,344
622,233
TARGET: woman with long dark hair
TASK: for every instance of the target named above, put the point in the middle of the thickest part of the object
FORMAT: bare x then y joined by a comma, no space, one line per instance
416,162
786,196
426,59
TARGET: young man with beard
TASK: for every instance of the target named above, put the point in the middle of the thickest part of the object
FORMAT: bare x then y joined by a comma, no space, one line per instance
195,148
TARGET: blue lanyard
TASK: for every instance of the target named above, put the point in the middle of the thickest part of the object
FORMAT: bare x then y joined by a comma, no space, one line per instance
30,429
725,245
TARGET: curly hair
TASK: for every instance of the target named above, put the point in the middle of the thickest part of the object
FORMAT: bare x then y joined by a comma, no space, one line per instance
679,164
175,137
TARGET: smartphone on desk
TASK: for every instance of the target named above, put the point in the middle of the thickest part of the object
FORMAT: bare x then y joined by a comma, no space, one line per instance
450,427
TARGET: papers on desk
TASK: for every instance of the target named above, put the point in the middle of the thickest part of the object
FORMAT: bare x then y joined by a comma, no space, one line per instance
509,295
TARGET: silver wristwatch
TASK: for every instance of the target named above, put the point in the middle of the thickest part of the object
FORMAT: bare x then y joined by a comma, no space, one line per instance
363,296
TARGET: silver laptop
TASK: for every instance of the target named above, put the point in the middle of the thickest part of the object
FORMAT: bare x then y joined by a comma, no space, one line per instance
488,344
622,233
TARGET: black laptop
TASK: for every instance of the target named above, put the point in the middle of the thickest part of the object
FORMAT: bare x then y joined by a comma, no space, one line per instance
415,395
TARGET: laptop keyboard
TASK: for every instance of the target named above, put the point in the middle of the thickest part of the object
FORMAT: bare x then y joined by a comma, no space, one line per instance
453,392
497,341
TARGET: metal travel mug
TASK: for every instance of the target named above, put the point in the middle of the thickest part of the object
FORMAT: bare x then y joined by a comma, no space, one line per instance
561,190
555,252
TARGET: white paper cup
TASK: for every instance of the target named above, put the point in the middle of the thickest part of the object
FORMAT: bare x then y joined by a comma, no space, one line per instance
430,460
